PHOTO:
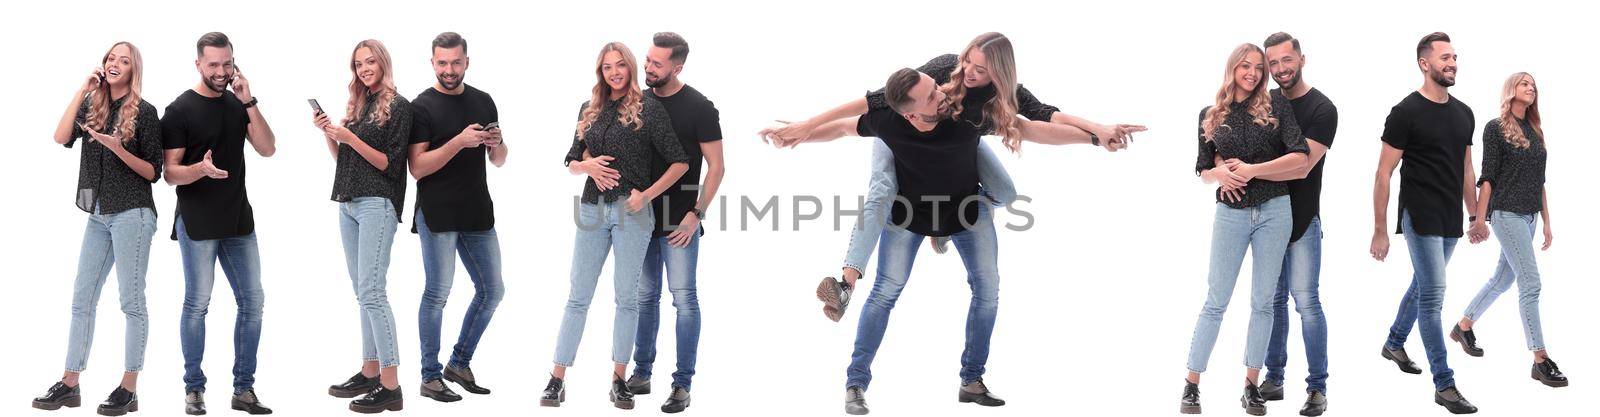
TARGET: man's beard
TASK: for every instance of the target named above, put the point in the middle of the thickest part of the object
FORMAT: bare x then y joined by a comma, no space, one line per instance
1293,81
448,85
657,83
217,86
1442,79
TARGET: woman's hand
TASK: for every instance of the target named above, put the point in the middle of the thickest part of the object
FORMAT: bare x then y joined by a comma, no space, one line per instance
110,142
1547,237
788,135
1478,232
598,169
93,82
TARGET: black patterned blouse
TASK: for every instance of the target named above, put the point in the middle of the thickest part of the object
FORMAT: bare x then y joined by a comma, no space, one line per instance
631,148
355,177
1516,174
1241,138
103,179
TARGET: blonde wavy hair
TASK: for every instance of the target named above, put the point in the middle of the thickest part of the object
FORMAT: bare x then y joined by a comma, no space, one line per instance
357,106
1002,109
1259,102
100,99
1508,122
632,103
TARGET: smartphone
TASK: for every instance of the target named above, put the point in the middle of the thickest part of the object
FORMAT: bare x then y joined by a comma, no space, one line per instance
315,108
490,126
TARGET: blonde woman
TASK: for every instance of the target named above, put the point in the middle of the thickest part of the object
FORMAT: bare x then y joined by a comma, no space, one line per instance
121,156
620,129
369,146
1511,189
1246,134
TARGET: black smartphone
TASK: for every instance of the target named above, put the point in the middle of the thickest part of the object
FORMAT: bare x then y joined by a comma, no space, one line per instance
315,108
490,126
102,75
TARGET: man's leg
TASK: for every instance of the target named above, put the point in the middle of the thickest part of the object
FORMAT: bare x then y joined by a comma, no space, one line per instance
199,275
897,251
241,262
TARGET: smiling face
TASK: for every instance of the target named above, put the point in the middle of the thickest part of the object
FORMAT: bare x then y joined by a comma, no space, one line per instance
659,70
926,98
615,71
1247,75
367,68
1526,91
450,66
216,67
1284,62
977,69
1440,63
118,65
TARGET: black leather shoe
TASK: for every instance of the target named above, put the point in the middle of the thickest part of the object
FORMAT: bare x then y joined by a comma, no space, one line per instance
855,402
677,402
1468,339
1253,403
356,385
194,403
1272,391
639,385
555,393
1399,357
120,402
464,378
620,396
247,401
1190,404
438,391
379,400
1547,373
977,392
1452,400
1316,404
59,395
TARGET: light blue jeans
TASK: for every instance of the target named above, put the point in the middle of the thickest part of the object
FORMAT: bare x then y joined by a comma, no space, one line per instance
1515,232
121,239
997,187
601,229
241,262
1264,230
367,226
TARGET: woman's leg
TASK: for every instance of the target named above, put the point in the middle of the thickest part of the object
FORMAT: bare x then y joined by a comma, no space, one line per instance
1230,236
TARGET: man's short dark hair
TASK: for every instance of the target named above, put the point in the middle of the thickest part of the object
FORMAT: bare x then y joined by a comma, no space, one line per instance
897,91
1426,45
449,40
1279,38
679,47
214,40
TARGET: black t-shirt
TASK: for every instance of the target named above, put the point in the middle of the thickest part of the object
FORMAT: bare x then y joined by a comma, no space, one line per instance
210,208
456,197
935,171
1318,120
695,121
1436,138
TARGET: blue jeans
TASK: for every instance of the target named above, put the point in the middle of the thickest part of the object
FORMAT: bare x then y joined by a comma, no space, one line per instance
1424,299
480,252
679,266
367,226
241,262
897,251
601,229
1264,230
1302,269
997,187
1515,232
120,239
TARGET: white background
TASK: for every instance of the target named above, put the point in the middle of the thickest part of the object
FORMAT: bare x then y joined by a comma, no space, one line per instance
1099,298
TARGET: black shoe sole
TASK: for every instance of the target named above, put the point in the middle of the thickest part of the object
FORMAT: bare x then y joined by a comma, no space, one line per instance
1456,336
241,406
974,399
1454,409
1189,409
560,398
1407,368
1313,413
200,412
667,410
1254,411
69,402
117,411
468,386
1547,382
340,393
861,412
440,397
374,409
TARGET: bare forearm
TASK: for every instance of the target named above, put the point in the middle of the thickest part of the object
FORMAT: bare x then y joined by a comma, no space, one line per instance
1380,203
708,191
855,107
427,162
1482,206
139,166
1053,134
1282,165
260,134
1074,121
367,152
667,180
497,154
179,174
64,128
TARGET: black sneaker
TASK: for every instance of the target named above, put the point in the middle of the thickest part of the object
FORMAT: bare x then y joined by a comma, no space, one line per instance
438,391
463,376
978,392
120,402
1399,357
1468,340
1452,400
1316,404
1253,403
855,401
355,386
379,400
677,402
835,296
247,401
59,395
555,393
620,396
194,403
1272,391
639,385
1548,374
1190,404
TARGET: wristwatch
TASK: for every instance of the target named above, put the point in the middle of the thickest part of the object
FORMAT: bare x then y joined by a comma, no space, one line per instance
251,103
698,213
1093,139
